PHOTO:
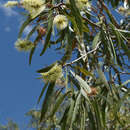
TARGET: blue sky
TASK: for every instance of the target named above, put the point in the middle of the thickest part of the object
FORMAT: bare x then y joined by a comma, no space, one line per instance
19,88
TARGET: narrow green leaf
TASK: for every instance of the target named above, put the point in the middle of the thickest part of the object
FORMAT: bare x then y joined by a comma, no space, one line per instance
126,82
119,103
120,36
68,48
85,28
102,76
60,39
97,115
116,33
47,100
33,49
85,72
64,119
83,83
31,54
24,25
75,109
49,32
83,119
58,103
96,40
113,50
66,80
70,112
74,82
104,41
47,41
46,69
76,14
73,22
84,93
92,123
31,32
124,46
103,112
42,92
112,19
124,31
82,123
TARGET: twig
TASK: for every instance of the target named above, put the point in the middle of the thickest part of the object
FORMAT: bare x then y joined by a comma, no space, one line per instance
57,6
124,73
74,61
125,31
91,23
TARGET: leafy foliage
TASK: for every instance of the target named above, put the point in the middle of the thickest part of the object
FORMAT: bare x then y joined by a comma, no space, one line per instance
90,92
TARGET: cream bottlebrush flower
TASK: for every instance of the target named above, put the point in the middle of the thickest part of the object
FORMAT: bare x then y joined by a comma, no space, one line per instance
53,74
82,4
36,12
23,45
32,3
34,7
11,3
60,21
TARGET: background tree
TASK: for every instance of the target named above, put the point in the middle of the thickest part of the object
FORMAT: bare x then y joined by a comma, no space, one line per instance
88,87
10,126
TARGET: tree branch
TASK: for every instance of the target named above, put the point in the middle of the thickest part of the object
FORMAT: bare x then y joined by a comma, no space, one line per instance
74,61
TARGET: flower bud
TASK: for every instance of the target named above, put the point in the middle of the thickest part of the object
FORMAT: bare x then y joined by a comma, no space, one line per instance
53,74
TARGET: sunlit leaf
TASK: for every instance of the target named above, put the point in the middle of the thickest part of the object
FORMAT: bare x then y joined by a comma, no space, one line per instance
83,84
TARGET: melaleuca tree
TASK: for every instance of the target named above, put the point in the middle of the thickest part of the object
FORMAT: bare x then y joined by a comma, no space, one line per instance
85,89
9,126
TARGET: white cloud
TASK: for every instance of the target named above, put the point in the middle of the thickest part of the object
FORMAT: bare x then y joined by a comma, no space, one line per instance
11,12
8,11
7,29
